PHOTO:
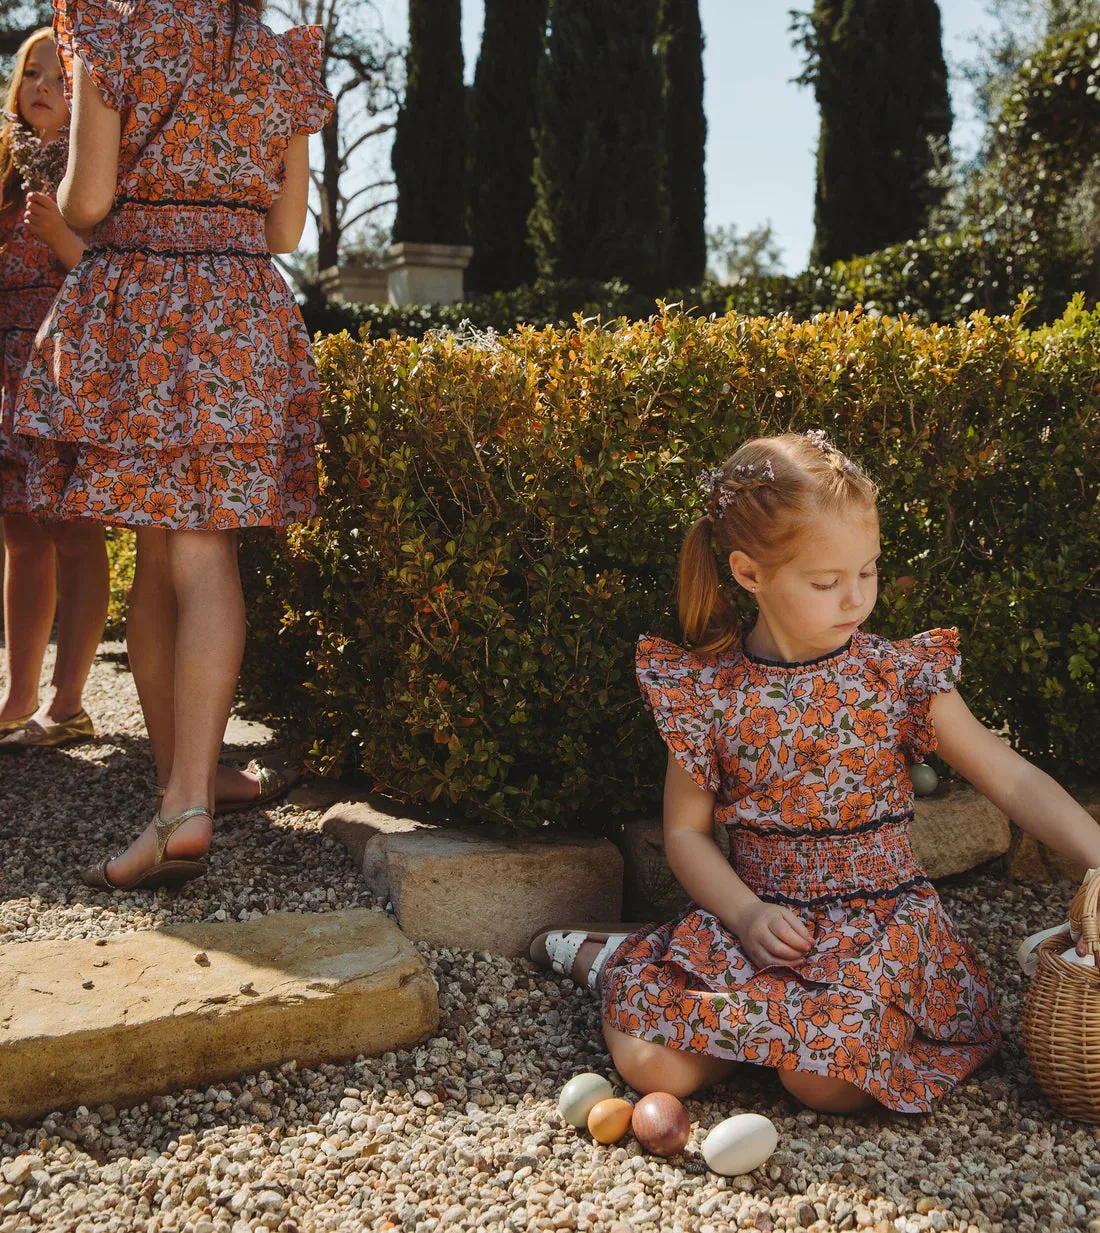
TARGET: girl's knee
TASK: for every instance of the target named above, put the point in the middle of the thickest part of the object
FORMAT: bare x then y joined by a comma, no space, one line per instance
649,1067
23,534
78,539
825,1094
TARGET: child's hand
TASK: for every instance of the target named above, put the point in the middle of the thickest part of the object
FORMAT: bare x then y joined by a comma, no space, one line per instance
771,935
43,219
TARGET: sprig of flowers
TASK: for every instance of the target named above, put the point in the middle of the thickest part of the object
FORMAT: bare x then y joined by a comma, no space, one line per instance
40,164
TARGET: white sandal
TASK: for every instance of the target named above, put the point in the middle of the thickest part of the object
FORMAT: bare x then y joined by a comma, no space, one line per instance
557,948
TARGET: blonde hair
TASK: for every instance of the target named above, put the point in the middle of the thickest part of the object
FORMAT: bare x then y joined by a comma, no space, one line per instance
9,173
761,499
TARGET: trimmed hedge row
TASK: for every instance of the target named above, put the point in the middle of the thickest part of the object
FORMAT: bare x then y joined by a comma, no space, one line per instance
501,519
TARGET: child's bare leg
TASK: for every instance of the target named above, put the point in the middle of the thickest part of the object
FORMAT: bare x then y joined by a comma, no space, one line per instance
30,597
85,589
648,1067
825,1094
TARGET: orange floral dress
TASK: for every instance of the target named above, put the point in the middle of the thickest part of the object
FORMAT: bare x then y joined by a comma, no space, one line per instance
173,384
30,275
808,763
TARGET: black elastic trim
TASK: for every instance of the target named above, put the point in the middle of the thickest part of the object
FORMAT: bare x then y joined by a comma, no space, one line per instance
177,252
22,329
846,896
32,287
203,203
828,831
799,663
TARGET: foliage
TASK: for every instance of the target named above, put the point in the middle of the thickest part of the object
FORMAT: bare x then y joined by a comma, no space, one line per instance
19,19
880,80
502,122
501,519
733,257
121,553
680,46
599,146
429,147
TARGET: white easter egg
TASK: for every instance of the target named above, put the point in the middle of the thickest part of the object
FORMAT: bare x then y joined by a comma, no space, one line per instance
925,779
740,1144
1073,957
580,1096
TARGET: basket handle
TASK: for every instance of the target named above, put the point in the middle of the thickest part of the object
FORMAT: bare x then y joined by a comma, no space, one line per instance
1083,913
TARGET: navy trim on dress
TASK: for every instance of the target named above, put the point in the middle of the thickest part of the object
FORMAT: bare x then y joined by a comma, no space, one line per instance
209,203
109,246
832,831
846,896
799,663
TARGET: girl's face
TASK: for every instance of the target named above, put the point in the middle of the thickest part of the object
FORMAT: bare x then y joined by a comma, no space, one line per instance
42,91
814,602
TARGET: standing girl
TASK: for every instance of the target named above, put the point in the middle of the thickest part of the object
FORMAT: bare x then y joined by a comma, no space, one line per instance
820,948
172,388
58,560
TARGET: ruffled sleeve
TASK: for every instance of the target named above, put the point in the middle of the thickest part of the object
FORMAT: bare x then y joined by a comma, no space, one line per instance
306,100
678,689
92,30
928,664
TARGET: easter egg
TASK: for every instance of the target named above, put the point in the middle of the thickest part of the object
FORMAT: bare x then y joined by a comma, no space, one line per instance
739,1144
925,780
1072,956
579,1095
609,1120
661,1124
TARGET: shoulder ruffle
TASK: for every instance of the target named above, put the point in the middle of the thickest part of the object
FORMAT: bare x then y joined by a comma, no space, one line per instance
308,103
91,29
678,687
928,664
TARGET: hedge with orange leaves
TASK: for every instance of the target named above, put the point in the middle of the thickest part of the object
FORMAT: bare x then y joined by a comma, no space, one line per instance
501,519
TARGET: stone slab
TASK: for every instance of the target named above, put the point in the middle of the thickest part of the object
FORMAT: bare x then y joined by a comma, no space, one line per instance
363,827
89,1022
464,889
957,829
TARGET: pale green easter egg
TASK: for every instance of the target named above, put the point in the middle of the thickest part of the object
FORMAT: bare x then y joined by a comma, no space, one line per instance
925,780
580,1096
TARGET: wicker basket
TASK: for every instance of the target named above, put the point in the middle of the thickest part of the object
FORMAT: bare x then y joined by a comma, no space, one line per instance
1062,1015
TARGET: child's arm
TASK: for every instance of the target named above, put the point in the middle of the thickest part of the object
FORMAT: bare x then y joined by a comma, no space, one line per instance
286,217
87,191
1026,794
45,223
769,933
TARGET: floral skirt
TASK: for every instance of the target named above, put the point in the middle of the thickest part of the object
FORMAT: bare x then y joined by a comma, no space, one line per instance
15,347
889,997
173,384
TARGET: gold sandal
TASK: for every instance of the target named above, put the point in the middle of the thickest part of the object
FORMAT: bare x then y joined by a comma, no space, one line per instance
273,786
34,735
161,872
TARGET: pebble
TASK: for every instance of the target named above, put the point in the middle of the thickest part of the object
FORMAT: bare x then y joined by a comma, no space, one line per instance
462,1131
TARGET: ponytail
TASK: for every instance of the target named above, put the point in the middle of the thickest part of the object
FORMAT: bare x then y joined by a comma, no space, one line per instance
706,615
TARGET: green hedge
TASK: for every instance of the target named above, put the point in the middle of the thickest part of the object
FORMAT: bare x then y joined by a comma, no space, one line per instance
501,520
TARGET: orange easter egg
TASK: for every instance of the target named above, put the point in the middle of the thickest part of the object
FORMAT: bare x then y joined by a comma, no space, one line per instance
661,1124
609,1120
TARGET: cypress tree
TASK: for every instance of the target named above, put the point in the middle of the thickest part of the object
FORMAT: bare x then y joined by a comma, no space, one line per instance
599,210
881,84
503,144
429,155
680,40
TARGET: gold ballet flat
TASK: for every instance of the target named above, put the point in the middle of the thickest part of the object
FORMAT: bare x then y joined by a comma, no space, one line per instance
12,725
35,735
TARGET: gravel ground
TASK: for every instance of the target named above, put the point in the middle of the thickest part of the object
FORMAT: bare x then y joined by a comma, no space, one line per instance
463,1132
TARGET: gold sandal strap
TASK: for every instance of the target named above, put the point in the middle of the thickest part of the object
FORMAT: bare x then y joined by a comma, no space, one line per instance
270,780
167,827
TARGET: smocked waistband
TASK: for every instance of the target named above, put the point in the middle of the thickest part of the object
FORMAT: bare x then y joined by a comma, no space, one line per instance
176,228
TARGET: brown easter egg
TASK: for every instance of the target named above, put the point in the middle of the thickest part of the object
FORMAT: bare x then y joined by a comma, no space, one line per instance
661,1124
610,1120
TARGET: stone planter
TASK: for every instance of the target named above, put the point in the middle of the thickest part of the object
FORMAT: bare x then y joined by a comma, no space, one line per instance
356,281
426,273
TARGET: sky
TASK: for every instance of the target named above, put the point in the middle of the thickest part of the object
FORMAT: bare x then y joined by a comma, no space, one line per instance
761,128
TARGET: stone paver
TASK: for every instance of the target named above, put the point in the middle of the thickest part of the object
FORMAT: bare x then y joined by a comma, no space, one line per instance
88,1022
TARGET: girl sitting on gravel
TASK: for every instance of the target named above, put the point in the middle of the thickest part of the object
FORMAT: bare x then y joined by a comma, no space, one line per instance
36,249
820,949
